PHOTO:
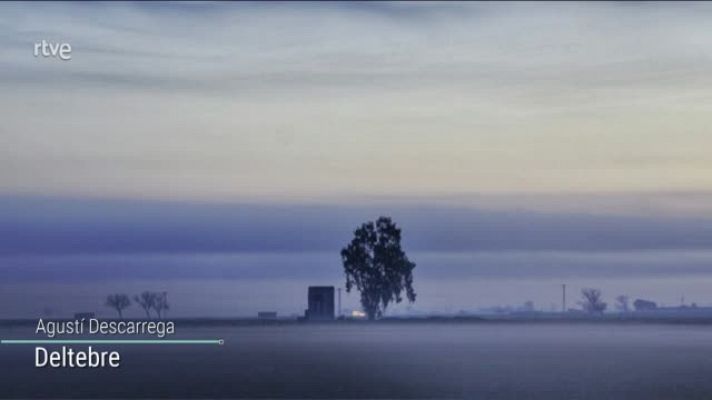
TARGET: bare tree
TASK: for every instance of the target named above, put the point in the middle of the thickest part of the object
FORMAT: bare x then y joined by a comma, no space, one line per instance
146,300
623,303
160,304
592,302
119,302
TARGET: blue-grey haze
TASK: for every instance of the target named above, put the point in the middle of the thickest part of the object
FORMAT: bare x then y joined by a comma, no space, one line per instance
61,255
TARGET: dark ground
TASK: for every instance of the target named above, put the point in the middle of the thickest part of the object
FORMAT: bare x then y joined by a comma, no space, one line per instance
386,360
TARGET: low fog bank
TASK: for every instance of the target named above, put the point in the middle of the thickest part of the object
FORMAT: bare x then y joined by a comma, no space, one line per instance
60,256
38,225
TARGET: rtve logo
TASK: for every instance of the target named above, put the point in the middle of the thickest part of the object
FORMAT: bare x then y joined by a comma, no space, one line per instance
62,51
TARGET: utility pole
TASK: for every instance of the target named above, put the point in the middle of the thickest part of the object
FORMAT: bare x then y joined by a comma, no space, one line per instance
563,298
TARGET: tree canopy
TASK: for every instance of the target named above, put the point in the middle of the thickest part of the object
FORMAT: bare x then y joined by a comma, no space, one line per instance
118,302
592,301
376,265
146,300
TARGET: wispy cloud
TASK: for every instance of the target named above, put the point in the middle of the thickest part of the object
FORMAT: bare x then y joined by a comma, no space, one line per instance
250,100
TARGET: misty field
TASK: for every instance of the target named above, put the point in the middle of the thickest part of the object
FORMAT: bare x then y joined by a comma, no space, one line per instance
393,360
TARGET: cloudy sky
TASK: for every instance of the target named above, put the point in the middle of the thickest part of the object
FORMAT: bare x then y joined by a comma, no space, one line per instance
581,128
260,101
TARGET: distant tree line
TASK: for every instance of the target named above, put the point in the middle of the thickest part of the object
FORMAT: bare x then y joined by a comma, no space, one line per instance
592,303
148,301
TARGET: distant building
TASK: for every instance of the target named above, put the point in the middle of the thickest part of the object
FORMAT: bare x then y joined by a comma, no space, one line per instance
644,305
267,315
321,303
85,315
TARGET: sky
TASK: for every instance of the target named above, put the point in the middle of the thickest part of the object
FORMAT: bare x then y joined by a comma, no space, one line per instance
554,137
293,101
